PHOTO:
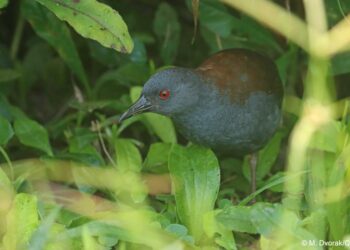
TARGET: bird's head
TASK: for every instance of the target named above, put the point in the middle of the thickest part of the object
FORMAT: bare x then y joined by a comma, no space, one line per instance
168,92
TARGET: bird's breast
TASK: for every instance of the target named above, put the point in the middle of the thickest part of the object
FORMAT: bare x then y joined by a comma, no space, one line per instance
227,127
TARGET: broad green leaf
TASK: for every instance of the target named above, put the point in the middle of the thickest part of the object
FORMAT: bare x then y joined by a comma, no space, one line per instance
3,3
267,219
8,74
157,158
22,221
217,231
93,20
180,231
56,34
6,131
237,218
32,134
167,28
195,174
162,126
128,156
273,219
221,29
215,17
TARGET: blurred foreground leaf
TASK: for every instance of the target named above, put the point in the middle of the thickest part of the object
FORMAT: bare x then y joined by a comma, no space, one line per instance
93,20
196,176
270,220
22,221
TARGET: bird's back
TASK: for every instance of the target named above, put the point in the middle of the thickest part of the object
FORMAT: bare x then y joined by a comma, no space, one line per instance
239,107
240,72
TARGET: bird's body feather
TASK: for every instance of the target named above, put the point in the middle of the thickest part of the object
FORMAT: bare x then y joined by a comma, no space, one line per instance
230,103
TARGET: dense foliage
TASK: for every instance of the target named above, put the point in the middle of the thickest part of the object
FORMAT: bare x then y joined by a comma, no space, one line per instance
73,178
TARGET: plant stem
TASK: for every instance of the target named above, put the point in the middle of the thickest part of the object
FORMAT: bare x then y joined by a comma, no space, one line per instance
17,38
7,158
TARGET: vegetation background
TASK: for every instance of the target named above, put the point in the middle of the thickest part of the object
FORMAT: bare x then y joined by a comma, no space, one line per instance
72,178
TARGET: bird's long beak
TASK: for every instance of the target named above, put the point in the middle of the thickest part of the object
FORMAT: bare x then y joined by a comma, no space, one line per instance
140,106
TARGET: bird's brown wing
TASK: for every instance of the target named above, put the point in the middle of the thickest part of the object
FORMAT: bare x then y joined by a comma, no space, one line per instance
240,72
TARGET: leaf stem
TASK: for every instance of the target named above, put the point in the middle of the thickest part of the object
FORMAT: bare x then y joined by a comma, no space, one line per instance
17,38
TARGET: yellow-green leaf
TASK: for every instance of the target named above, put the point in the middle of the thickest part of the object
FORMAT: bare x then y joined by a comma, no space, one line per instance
22,221
93,20
196,176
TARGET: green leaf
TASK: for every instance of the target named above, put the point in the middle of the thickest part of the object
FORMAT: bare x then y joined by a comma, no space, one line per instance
327,138
22,221
237,218
266,219
157,158
128,74
56,34
341,63
217,231
7,75
269,219
215,17
93,20
180,231
336,10
243,32
196,176
287,62
3,3
161,125
32,134
128,156
6,131
81,146
167,28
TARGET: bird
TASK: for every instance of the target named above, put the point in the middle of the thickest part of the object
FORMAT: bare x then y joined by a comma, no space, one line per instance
230,103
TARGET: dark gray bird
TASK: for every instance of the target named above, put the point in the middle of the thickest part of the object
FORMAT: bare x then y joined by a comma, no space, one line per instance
230,103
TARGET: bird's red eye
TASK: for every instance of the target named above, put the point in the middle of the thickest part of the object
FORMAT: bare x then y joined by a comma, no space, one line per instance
164,94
